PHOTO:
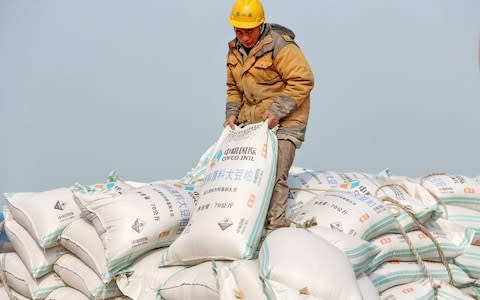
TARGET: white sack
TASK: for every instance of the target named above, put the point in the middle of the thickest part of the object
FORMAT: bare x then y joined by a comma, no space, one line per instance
44,214
66,293
423,290
359,252
452,238
78,275
234,199
137,220
193,283
472,291
196,175
369,291
464,216
81,238
240,280
4,294
469,261
349,212
391,274
454,190
411,195
143,278
325,181
38,261
305,184
297,199
280,291
20,279
303,261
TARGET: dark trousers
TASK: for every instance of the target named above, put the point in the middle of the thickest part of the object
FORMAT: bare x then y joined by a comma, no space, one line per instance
278,203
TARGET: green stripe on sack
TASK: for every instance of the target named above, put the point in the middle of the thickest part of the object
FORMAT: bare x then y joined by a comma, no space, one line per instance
43,293
51,238
105,290
42,270
370,232
410,275
360,251
264,268
465,218
429,296
116,265
407,255
260,221
447,296
265,271
475,201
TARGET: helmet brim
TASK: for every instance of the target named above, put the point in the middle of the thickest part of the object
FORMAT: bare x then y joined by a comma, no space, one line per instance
246,25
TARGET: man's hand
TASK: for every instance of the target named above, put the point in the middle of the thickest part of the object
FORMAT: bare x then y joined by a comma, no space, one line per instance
230,121
272,120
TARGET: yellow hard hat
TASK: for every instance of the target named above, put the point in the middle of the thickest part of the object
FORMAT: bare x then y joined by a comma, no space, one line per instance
247,14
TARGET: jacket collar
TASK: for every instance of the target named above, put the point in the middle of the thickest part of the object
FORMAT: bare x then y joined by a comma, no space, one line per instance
263,45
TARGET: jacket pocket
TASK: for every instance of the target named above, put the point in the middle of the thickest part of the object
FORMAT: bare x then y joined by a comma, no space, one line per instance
231,61
264,71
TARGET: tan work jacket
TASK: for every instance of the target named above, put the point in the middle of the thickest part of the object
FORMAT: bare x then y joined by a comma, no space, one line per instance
274,76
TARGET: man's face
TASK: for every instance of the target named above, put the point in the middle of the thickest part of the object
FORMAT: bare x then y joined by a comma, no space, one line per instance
248,37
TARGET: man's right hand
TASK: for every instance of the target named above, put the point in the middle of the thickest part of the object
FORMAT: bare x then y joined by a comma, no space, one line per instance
230,121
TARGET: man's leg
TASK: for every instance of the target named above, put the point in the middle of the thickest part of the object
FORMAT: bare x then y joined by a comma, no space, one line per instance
278,203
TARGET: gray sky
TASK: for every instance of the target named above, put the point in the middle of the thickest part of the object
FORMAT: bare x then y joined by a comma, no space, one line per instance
87,87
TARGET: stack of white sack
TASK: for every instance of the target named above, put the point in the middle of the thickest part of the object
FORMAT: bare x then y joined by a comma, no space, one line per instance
33,224
354,235
121,222
426,228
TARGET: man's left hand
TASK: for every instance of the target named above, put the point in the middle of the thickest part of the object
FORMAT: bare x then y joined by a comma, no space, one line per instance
272,120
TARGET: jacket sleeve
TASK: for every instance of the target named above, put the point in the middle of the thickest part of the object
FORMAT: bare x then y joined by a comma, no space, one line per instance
298,76
234,95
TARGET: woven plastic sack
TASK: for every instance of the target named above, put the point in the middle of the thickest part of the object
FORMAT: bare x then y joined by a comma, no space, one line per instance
369,291
66,293
453,240
359,252
240,280
391,274
4,294
469,261
143,278
423,290
37,260
350,212
193,283
45,214
81,239
464,216
78,275
19,278
137,220
456,190
306,263
234,199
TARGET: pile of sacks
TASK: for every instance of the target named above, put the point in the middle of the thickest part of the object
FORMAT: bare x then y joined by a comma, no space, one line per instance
353,235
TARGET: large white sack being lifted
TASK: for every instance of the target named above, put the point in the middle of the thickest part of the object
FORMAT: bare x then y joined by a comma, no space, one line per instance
233,200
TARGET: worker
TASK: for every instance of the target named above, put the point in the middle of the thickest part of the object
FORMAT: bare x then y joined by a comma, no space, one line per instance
268,78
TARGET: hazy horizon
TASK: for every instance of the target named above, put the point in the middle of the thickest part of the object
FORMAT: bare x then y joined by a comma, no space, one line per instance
87,87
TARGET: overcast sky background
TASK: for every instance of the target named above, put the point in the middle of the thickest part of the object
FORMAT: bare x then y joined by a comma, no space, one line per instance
87,87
